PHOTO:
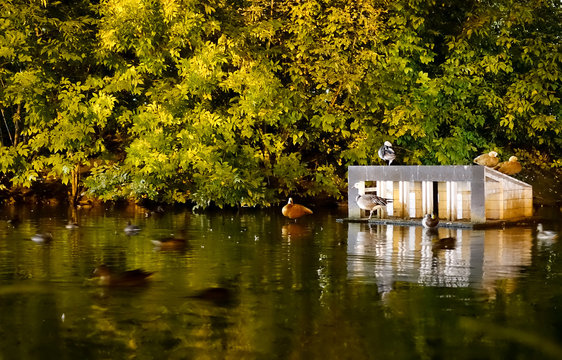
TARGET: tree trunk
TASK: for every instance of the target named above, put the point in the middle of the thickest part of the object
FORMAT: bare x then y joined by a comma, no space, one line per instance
74,184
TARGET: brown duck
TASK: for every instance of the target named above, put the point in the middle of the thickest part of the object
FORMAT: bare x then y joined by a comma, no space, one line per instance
510,167
135,277
490,159
170,243
295,211
430,221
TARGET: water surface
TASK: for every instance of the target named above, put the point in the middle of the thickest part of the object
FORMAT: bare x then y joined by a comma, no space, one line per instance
309,289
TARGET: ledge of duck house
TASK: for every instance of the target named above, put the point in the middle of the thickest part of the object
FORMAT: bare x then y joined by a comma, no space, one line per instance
470,196
490,224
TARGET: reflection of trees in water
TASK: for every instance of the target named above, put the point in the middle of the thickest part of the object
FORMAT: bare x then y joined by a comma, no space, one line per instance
446,257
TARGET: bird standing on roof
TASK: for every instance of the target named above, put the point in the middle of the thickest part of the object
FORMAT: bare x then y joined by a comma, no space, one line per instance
510,167
490,159
386,152
294,211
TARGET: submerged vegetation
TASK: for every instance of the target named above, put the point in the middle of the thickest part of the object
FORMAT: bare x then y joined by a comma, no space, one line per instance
235,103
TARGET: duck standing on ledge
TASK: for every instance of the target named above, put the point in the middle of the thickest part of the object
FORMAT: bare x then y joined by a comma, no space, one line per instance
510,167
370,202
490,159
294,211
386,152
430,221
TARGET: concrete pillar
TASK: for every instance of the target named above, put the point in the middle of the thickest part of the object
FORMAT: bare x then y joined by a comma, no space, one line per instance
477,195
354,174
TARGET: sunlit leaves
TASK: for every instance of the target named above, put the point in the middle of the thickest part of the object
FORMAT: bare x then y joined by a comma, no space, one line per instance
228,104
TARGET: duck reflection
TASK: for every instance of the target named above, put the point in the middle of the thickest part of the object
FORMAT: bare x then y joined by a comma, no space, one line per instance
293,231
385,254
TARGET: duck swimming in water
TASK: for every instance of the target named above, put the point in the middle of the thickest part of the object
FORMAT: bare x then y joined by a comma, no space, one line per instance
71,225
386,152
430,221
170,243
131,229
510,167
545,234
294,211
490,159
135,277
42,238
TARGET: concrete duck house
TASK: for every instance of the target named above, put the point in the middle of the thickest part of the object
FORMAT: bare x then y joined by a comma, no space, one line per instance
459,194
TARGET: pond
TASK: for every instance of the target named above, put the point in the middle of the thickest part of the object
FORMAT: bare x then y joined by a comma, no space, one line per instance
251,284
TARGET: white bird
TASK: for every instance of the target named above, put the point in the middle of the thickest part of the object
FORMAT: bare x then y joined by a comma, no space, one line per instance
545,234
386,152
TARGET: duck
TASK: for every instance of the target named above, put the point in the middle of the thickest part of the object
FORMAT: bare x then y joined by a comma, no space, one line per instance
215,295
430,221
71,225
370,202
14,221
295,211
490,159
131,229
42,238
135,277
447,243
170,243
510,167
386,152
545,234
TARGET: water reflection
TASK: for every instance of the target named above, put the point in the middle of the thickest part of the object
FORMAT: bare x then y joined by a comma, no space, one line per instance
385,254
252,285
294,231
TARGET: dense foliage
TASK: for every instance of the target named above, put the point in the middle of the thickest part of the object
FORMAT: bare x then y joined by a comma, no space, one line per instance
246,102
